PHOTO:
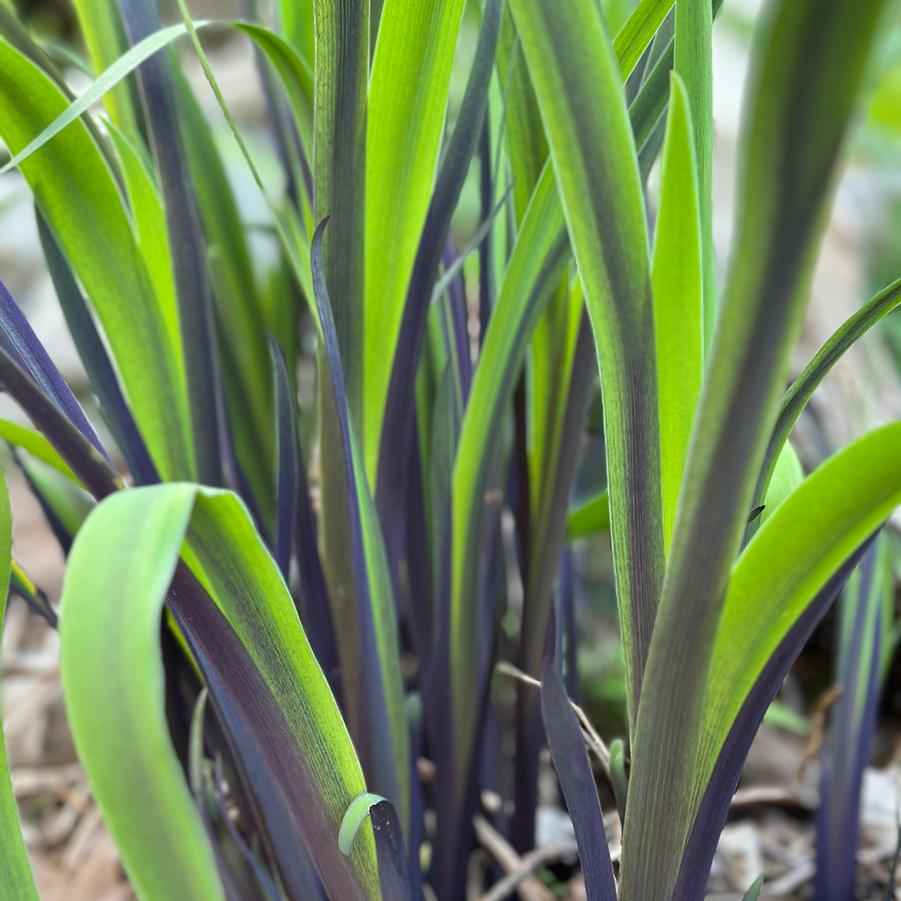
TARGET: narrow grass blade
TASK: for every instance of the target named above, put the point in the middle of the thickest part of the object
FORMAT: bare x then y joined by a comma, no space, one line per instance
570,757
408,91
638,32
365,620
580,94
399,401
288,462
15,869
104,35
807,68
97,364
77,195
801,389
23,345
188,245
694,64
852,725
92,468
106,81
340,154
677,279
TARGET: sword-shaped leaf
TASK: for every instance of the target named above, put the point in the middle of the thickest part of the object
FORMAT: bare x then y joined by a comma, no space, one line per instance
408,91
577,80
677,275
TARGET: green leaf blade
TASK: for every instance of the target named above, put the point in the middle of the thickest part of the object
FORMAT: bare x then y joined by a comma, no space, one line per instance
693,62
408,93
577,81
80,201
818,526
678,297
15,870
114,694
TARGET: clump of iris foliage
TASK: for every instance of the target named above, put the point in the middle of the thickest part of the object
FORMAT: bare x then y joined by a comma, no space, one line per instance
273,612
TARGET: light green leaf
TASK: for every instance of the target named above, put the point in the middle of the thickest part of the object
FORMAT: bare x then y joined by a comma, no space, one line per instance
807,67
15,870
787,475
801,389
101,27
538,255
693,62
80,201
36,444
577,81
815,529
149,219
678,295
408,92
634,37
354,817
113,682
590,517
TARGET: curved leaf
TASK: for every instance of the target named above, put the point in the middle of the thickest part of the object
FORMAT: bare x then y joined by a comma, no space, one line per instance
80,201
36,445
113,682
15,869
801,389
263,678
789,560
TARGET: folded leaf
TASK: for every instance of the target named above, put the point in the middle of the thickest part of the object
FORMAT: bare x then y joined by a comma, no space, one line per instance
264,683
